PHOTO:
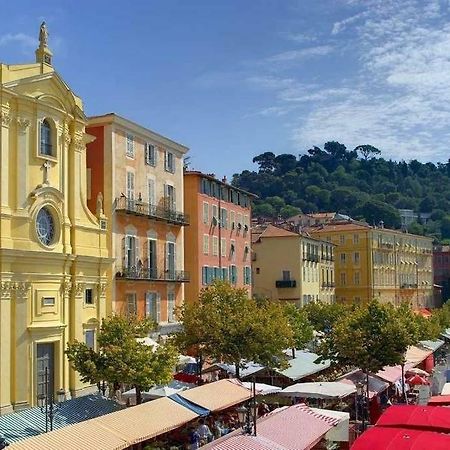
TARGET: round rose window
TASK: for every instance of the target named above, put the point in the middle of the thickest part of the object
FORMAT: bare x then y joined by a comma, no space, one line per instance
45,226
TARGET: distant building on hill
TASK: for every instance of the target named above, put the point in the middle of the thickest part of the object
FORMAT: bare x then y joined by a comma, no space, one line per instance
408,216
376,262
311,219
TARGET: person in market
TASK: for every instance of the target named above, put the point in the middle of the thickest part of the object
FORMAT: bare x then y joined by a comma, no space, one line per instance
204,432
194,439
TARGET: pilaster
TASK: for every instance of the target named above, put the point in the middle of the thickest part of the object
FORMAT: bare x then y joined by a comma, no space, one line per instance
20,351
23,125
6,288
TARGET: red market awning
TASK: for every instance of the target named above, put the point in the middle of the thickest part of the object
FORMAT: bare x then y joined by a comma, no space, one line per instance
380,438
439,400
429,418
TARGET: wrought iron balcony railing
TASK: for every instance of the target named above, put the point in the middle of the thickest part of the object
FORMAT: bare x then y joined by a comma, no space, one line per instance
135,273
140,208
285,283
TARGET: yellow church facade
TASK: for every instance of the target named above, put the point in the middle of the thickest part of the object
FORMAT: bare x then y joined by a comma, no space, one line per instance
53,251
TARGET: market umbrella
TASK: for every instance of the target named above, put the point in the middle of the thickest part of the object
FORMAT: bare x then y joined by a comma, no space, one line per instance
417,371
417,380
324,389
262,389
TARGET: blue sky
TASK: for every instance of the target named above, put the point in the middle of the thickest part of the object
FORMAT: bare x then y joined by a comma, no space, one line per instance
234,78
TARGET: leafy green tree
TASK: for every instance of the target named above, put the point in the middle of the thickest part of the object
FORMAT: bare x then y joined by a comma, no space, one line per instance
121,359
323,316
265,161
300,325
415,228
288,211
445,226
264,210
367,150
375,211
227,326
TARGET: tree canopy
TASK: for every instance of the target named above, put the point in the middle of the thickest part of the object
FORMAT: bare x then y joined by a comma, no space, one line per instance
121,359
358,183
225,325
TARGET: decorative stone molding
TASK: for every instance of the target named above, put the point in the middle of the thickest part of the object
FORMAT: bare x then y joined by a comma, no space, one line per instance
79,288
23,124
101,287
6,288
5,117
66,288
22,288
78,142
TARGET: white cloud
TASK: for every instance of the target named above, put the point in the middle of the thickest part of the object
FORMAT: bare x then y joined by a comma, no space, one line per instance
398,95
295,55
18,38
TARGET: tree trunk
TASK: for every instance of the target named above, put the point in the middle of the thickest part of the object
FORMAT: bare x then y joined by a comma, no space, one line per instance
138,395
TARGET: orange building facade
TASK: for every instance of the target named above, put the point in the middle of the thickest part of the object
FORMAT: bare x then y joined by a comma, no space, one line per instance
218,242
136,176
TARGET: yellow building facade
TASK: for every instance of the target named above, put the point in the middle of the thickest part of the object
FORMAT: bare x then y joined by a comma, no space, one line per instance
379,263
291,267
53,253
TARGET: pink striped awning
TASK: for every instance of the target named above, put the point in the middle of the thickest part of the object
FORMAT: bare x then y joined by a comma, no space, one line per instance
283,429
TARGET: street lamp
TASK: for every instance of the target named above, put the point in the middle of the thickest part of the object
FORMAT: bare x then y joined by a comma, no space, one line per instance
46,402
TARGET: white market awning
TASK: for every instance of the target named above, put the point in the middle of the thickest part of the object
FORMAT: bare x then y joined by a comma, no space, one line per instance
325,390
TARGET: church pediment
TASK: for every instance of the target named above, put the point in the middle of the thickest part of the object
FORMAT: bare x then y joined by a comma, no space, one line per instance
47,192
48,88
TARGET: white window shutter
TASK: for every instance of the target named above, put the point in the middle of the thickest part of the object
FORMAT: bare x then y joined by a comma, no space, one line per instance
147,304
158,307
125,252
136,251
174,199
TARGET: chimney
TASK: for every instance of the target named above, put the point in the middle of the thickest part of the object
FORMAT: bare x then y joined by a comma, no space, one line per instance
224,179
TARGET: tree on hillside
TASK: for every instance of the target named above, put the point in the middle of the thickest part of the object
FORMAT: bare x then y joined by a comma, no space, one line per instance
225,325
375,211
265,161
367,150
121,359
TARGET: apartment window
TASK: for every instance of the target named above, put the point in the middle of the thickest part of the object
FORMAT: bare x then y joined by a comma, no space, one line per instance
232,249
46,144
129,252
214,215
258,270
247,275
223,218
88,297
152,259
223,247
169,162
343,279
342,258
48,301
89,338
356,278
215,249
131,304
246,223
170,197
246,251
171,306
232,220
130,187
225,273
206,186
205,244
342,239
130,145
233,274
286,275
204,275
170,260
151,192
153,306
150,154
356,238
356,257
217,273
239,221
205,213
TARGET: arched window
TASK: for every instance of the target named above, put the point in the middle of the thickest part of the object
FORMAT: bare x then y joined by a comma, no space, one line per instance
46,147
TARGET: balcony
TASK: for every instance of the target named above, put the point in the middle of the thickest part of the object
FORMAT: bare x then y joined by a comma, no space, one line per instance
311,257
408,286
134,273
139,208
285,284
328,285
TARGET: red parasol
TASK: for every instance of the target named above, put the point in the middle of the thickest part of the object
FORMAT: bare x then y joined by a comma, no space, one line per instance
417,380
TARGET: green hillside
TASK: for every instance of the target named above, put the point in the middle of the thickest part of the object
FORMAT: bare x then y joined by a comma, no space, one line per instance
356,182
